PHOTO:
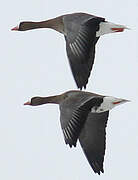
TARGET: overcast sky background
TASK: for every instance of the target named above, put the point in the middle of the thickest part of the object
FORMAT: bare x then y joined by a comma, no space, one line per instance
35,63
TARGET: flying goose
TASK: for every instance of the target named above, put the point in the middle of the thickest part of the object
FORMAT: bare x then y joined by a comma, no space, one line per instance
83,117
81,32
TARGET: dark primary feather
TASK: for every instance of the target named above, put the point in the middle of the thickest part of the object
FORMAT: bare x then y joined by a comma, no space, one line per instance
93,140
81,50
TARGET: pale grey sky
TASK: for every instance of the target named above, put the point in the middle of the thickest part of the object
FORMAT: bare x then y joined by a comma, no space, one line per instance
35,63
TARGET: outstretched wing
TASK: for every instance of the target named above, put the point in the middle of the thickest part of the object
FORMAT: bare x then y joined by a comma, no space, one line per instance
80,48
93,139
72,121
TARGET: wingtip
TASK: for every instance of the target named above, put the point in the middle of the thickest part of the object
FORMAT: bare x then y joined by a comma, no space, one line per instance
100,171
71,144
81,87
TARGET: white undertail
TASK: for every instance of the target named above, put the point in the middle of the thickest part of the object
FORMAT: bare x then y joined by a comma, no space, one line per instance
108,104
106,28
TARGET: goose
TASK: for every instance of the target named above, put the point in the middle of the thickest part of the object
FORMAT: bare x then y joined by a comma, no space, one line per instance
81,32
83,117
